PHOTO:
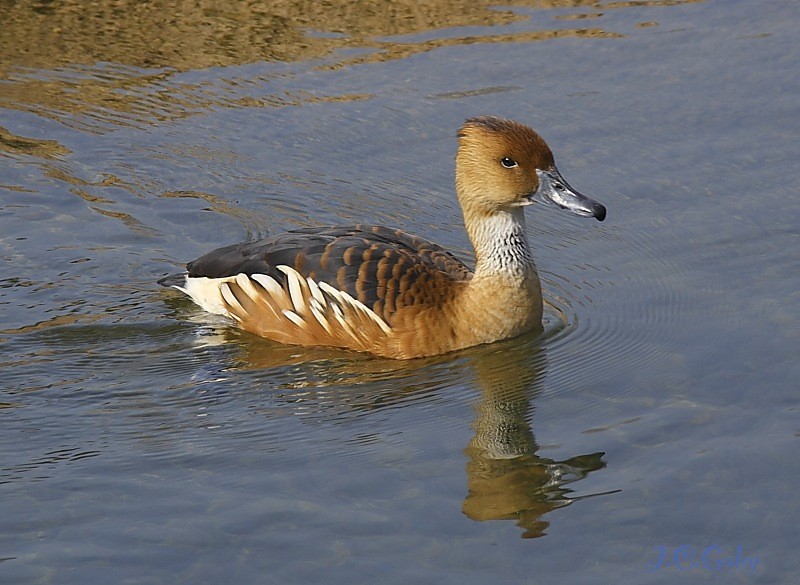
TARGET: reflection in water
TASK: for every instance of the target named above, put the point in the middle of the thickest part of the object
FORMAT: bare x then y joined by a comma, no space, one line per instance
119,62
21,145
336,382
506,479
203,33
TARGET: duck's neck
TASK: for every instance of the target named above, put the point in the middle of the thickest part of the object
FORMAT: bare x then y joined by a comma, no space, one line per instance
501,245
504,297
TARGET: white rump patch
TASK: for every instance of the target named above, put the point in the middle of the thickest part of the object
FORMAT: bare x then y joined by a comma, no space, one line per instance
310,300
207,293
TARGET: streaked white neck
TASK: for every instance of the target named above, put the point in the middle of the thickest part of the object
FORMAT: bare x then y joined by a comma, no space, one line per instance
504,298
501,244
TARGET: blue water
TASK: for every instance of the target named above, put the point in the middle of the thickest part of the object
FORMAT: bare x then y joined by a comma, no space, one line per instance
649,436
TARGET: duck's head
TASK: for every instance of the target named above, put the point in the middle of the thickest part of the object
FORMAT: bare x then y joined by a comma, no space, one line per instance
502,164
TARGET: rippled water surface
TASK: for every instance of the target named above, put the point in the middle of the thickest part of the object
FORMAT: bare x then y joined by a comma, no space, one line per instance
650,435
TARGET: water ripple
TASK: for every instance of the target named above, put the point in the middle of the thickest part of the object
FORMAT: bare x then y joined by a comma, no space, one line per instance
617,315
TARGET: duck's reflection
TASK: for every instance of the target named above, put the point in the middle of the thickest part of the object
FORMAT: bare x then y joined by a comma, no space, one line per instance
506,479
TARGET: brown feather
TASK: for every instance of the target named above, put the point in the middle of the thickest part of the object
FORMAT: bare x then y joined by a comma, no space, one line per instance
383,291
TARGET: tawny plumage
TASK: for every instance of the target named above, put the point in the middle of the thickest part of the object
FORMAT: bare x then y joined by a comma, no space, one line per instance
380,290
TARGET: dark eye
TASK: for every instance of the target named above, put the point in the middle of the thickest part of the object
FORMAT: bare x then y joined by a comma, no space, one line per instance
507,162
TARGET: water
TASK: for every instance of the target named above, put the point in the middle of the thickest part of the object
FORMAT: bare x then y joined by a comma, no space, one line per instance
649,436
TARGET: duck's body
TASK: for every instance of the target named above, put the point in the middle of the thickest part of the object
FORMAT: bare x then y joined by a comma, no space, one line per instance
385,292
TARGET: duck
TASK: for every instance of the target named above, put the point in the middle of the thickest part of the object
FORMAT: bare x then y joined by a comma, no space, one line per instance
386,292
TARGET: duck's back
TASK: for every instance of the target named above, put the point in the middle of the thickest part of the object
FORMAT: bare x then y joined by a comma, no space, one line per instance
341,286
383,268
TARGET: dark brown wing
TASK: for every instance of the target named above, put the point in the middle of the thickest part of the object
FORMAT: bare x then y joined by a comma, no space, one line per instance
383,268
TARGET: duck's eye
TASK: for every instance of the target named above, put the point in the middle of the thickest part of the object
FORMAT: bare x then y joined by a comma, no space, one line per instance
507,162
